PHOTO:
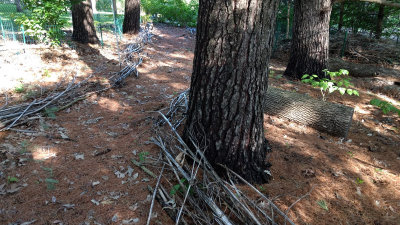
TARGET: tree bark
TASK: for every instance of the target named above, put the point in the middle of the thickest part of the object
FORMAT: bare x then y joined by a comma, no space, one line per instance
341,14
229,81
19,5
334,119
310,40
379,24
132,17
83,24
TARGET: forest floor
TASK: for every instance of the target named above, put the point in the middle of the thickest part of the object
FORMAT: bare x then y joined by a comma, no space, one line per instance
317,178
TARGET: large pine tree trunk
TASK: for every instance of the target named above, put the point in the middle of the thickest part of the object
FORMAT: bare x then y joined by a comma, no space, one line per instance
132,17
229,82
379,24
83,24
310,42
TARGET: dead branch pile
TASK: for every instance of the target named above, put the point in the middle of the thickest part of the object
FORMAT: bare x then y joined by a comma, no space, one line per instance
132,55
364,50
62,98
193,193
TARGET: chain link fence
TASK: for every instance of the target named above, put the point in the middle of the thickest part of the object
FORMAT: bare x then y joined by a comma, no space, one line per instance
12,31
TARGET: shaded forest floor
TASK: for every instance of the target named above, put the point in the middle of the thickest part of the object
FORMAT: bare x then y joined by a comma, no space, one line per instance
357,179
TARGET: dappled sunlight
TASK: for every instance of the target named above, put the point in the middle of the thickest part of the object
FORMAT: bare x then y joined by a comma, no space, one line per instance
44,152
109,104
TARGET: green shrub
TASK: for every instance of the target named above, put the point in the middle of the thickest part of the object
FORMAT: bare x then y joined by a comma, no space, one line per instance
177,12
337,81
44,19
386,107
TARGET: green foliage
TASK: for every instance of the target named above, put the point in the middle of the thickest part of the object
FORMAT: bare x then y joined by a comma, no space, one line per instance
50,181
20,88
337,81
50,112
363,16
142,156
177,12
323,204
178,188
12,179
45,19
386,107
359,181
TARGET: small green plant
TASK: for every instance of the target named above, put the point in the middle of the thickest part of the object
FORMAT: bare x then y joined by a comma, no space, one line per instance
178,188
50,112
12,179
20,88
337,81
359,181
46,73
322,203
24,146
142,156
261,188
50,181
351,154
386,107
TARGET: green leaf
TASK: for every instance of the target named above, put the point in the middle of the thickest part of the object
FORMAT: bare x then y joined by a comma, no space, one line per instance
323,204
305,76
342,91
51,181
355,92
349,91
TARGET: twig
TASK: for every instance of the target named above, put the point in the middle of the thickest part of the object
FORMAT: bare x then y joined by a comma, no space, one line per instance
19,117
143,168
154,196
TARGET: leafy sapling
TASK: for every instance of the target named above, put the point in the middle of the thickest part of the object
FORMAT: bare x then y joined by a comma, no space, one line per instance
386,107
337,81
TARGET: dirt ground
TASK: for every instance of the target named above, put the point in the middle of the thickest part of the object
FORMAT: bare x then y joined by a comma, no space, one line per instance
76,168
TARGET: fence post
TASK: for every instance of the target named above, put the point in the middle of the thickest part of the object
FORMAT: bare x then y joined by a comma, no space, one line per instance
115,30
101,35
23,33
2,30
12,29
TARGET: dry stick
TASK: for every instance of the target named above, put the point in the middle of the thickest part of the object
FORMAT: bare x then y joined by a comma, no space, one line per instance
5,104
258,192
138,164
294,203
154,195
19,117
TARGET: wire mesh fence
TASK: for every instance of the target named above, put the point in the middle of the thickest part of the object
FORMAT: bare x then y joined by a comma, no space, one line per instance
12,31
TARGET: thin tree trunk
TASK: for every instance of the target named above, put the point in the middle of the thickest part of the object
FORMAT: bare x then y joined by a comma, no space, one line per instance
379,24
94,6
83,24
229,82
288,19
340,25
309,51
132,17
114,2
19,5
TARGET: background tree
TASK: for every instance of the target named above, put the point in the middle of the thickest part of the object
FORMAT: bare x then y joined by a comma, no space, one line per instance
229,81
132,17
19,5
309,50
83,24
